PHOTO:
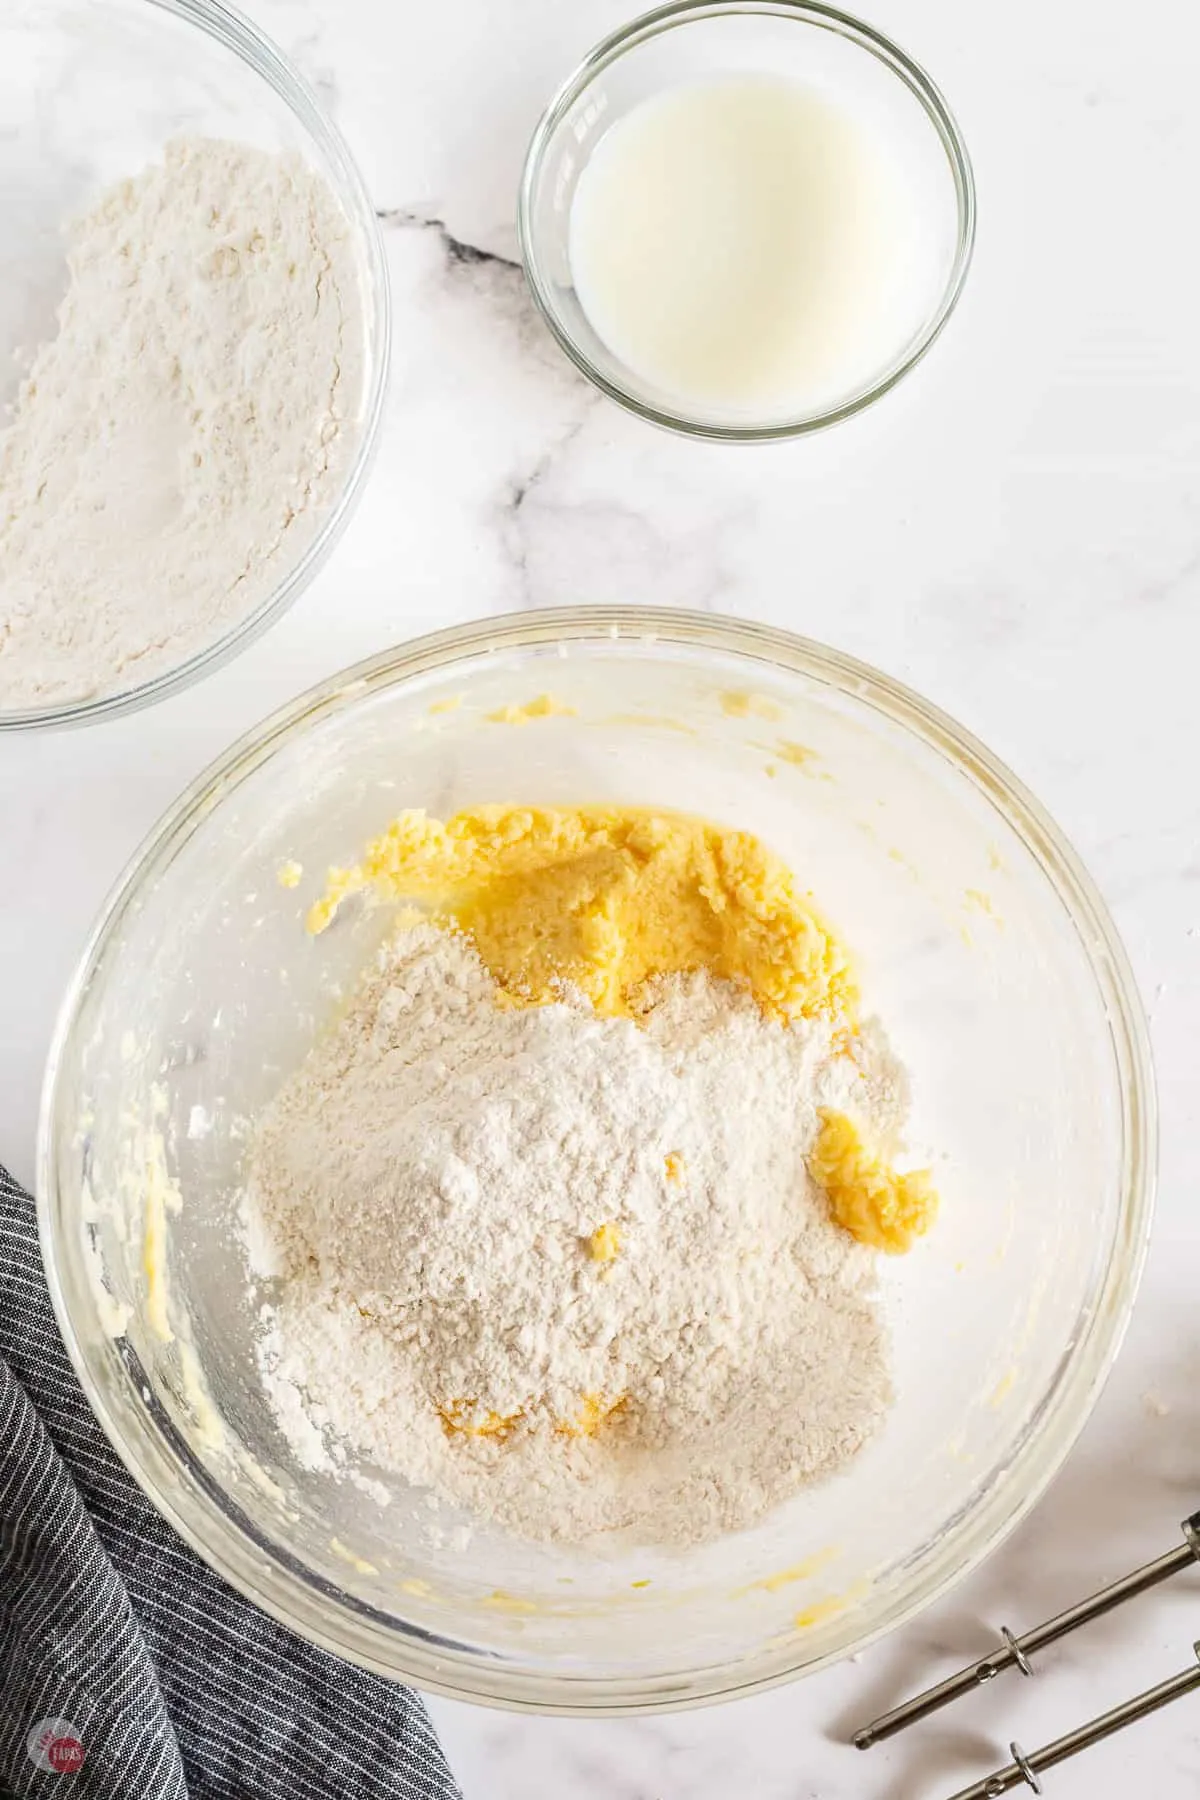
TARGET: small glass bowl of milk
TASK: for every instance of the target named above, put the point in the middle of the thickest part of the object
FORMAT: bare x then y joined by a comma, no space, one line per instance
746,219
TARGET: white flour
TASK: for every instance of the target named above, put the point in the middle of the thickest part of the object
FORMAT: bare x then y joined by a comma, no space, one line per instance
425,1191
173,447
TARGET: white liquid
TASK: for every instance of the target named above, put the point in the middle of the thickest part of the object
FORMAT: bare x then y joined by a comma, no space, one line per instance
742,245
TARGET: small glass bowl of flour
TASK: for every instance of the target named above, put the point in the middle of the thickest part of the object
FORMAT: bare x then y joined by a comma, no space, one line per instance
193,348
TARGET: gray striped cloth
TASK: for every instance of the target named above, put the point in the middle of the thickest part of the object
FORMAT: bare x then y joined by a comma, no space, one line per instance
128,1670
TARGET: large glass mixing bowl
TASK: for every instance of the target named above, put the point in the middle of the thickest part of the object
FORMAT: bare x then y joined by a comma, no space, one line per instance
91,91
981,942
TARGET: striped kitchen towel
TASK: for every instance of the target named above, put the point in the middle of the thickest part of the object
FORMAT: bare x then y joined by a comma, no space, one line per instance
126,1665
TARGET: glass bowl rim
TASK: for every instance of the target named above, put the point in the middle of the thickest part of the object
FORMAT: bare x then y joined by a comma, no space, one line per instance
212,1525
803,12
229,27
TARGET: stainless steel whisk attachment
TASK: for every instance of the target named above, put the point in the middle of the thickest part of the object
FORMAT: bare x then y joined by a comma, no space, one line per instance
1028,1769
1015,1652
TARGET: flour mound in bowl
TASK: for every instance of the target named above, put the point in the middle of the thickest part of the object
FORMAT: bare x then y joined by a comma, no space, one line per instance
176,444
569,1271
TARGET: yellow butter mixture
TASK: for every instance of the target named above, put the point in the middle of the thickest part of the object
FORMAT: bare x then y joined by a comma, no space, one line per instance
869,1199
603,899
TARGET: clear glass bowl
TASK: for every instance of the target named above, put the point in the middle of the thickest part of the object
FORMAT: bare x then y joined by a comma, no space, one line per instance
981,942
90,92
849,63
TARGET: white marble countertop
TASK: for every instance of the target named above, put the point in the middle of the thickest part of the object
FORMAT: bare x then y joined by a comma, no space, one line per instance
1015,532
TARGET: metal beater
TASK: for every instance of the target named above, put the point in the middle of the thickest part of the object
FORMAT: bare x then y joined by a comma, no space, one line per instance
1015,1652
